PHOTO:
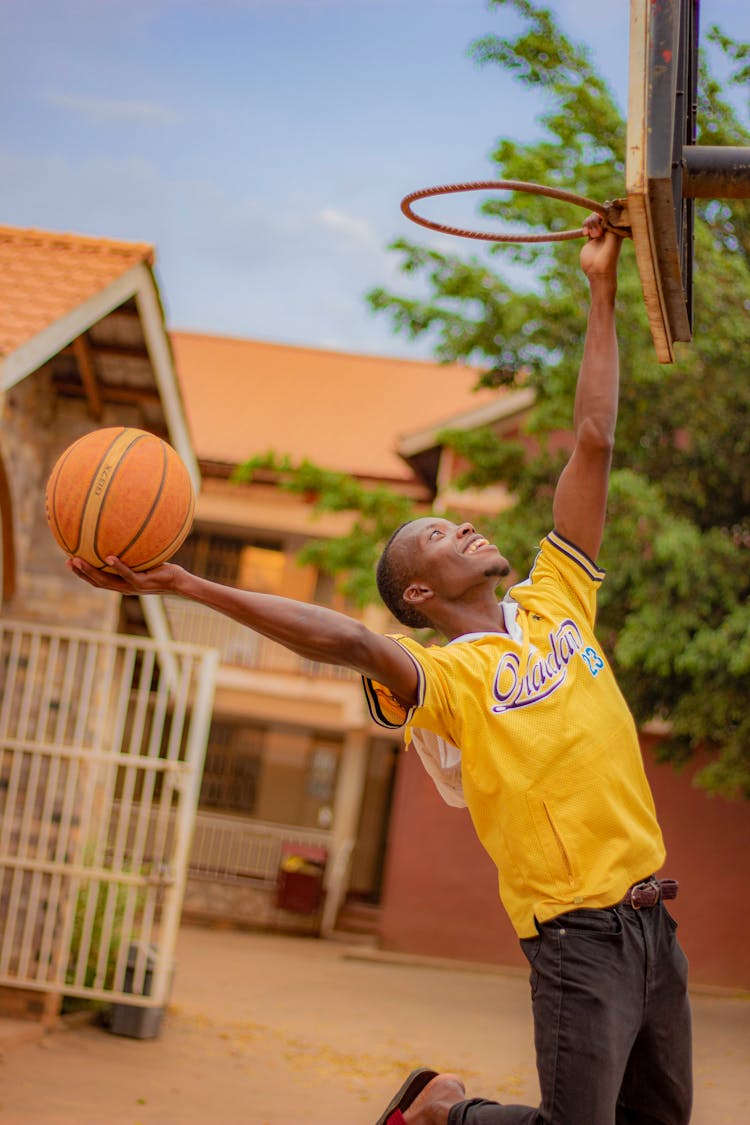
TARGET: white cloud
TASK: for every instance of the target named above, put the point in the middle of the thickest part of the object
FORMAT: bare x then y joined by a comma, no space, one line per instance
357,229
275,268
104,111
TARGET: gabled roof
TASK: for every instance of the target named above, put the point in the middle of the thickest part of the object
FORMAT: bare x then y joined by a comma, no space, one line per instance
340,410
90,308
500,410
422,448
45,277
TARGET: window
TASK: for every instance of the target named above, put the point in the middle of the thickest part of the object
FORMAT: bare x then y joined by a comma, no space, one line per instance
321,772
216,557
233,763
252,564
262,569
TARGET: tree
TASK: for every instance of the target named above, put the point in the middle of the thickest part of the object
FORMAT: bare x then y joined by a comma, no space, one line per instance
673,613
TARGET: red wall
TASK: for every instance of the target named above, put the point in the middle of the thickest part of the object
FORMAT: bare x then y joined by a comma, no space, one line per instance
440,891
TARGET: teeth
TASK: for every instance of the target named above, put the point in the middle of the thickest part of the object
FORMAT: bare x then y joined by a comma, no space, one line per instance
475,546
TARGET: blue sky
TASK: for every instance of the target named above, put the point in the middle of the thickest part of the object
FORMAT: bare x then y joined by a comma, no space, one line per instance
263,146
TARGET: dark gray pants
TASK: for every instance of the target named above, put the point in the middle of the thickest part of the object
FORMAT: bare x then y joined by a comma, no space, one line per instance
611,1024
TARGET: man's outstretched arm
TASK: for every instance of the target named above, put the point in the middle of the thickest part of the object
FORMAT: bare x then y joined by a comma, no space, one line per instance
580,503
311,631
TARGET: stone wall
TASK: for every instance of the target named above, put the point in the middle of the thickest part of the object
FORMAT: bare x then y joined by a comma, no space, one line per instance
36,425
246,903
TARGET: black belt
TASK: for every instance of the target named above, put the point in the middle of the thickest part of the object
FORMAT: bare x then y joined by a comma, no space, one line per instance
649,892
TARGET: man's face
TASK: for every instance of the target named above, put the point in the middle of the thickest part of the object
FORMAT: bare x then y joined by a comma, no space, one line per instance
450,558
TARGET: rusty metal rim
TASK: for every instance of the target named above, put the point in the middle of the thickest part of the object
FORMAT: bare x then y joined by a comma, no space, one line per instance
604,210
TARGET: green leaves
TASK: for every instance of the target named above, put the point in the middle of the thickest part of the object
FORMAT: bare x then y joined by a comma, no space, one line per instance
674,615
674,609
377,512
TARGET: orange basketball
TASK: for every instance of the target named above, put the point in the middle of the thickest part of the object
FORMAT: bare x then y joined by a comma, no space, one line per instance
122,492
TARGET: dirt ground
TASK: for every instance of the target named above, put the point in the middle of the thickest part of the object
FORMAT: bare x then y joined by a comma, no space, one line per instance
265,1030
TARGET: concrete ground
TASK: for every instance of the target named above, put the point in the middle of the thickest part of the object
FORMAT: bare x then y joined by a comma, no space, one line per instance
267,1030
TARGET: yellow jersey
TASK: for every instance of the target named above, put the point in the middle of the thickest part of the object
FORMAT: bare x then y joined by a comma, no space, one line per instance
550,762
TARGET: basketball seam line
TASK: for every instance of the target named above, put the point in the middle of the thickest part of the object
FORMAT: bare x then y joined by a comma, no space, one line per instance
87,497
178,540
152,509
94,538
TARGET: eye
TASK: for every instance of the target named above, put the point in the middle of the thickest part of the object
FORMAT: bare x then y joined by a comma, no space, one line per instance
435,531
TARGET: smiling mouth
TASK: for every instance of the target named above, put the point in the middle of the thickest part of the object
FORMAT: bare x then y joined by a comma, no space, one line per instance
476,545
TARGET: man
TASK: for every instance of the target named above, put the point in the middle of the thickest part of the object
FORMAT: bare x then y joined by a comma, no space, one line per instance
550,767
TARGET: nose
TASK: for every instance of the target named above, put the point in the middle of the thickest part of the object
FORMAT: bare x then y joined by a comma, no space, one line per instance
465,529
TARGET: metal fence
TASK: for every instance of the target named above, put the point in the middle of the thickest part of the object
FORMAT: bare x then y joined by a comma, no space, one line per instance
240,646
102,739
234,849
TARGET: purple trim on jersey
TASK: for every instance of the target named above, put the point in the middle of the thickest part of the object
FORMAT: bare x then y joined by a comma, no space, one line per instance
373,703
576,555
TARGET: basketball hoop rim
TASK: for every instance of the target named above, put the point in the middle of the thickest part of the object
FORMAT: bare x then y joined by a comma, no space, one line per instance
604,210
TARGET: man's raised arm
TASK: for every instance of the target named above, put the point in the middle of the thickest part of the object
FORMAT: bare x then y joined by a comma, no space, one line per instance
580,502
311,631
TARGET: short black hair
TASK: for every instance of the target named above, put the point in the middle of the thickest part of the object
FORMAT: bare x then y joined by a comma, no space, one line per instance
393,575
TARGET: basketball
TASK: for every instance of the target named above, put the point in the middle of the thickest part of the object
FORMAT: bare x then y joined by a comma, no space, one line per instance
122,492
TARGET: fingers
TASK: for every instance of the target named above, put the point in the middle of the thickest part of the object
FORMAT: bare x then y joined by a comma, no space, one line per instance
120,568
593,226
123,580
600,252
101,579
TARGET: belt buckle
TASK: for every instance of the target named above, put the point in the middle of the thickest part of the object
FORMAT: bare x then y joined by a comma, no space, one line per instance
645,894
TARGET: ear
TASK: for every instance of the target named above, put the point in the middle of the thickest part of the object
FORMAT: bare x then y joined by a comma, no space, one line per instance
417,592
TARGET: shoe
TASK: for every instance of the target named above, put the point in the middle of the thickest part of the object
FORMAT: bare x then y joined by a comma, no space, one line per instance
412,1087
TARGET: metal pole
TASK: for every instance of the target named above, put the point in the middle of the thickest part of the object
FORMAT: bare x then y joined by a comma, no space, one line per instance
715,172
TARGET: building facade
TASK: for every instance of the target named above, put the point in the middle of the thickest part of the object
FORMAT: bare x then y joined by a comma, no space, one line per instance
309,818
293,756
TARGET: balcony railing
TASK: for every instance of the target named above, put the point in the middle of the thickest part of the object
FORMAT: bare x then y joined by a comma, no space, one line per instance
239,646
233,848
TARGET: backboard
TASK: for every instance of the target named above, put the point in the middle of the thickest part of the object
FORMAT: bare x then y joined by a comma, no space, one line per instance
662,96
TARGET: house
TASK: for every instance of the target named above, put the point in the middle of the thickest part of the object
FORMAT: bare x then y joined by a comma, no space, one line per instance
103,698
418,880
101,735
309,818
403,866
82,344
293,756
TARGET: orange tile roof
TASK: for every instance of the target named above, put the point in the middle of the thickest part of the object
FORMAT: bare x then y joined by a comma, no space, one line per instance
45,275
342,411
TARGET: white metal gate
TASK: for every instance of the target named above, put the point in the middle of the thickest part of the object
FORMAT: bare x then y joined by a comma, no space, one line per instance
102,739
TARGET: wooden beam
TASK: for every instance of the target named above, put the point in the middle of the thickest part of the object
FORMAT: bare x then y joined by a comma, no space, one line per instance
124,396
157,342
7,544
85,361
114,351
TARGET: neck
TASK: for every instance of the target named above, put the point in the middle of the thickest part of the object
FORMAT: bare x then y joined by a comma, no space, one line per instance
455,619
